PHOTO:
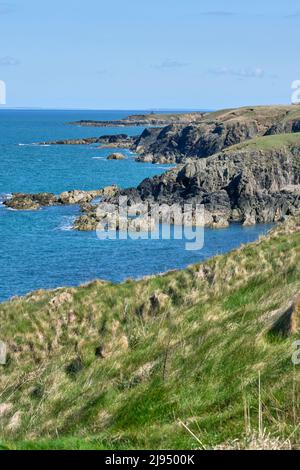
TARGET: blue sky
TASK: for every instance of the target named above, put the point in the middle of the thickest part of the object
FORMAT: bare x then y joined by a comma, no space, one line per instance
139,54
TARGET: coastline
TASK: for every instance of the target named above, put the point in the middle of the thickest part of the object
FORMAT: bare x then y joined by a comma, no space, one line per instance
213,182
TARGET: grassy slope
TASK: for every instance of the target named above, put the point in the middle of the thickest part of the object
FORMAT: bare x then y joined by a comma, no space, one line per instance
285,112
271,142
194,359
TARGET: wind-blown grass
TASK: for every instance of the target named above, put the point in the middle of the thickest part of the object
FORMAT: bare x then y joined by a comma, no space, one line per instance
184,360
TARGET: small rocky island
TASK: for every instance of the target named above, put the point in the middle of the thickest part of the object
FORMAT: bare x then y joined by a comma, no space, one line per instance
116,156
106,141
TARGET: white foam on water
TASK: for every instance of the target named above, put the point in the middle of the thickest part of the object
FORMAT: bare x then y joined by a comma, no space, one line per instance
4,197
67,223
34,144
28,145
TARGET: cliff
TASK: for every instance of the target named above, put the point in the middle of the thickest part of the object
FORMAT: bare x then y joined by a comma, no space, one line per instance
141,120
254,182
215,132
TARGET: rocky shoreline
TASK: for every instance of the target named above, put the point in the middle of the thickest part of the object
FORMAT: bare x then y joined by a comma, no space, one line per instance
214,133
245,184
204,135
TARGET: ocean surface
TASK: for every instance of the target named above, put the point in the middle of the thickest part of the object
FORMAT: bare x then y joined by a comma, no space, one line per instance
38,249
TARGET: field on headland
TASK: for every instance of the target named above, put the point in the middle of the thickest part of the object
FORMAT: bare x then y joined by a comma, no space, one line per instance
171,362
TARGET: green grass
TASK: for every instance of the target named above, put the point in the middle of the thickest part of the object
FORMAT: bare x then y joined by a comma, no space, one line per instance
272,142
279,112
195,361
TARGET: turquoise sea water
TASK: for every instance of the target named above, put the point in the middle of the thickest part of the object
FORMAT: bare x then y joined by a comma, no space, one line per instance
38,249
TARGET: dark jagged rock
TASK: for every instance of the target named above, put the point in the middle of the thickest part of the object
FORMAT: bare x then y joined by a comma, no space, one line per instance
106,215
81,141
109,141
117,141
257,182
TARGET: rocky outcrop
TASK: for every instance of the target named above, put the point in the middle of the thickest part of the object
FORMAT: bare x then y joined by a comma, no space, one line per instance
214,132
106,141
123,141
256,182
177,137
24,201
287,320
173,145
81,141
61,299
244,184
142,120
116,156
109,191
27,202
158,302
78,197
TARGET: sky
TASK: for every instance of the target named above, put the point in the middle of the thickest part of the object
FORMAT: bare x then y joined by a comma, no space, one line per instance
140,54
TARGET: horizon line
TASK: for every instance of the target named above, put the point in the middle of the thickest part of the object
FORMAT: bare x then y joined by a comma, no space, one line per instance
100,109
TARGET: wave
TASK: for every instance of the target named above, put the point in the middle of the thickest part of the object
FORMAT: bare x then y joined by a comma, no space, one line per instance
33,144
4,197
67,223
27,145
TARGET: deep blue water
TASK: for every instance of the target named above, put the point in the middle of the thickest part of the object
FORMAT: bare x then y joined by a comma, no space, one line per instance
38,249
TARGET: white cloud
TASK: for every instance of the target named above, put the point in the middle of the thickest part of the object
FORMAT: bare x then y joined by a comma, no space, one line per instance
8,61
256,72
170,64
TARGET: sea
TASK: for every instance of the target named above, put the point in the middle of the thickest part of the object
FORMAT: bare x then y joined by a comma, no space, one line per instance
39,249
